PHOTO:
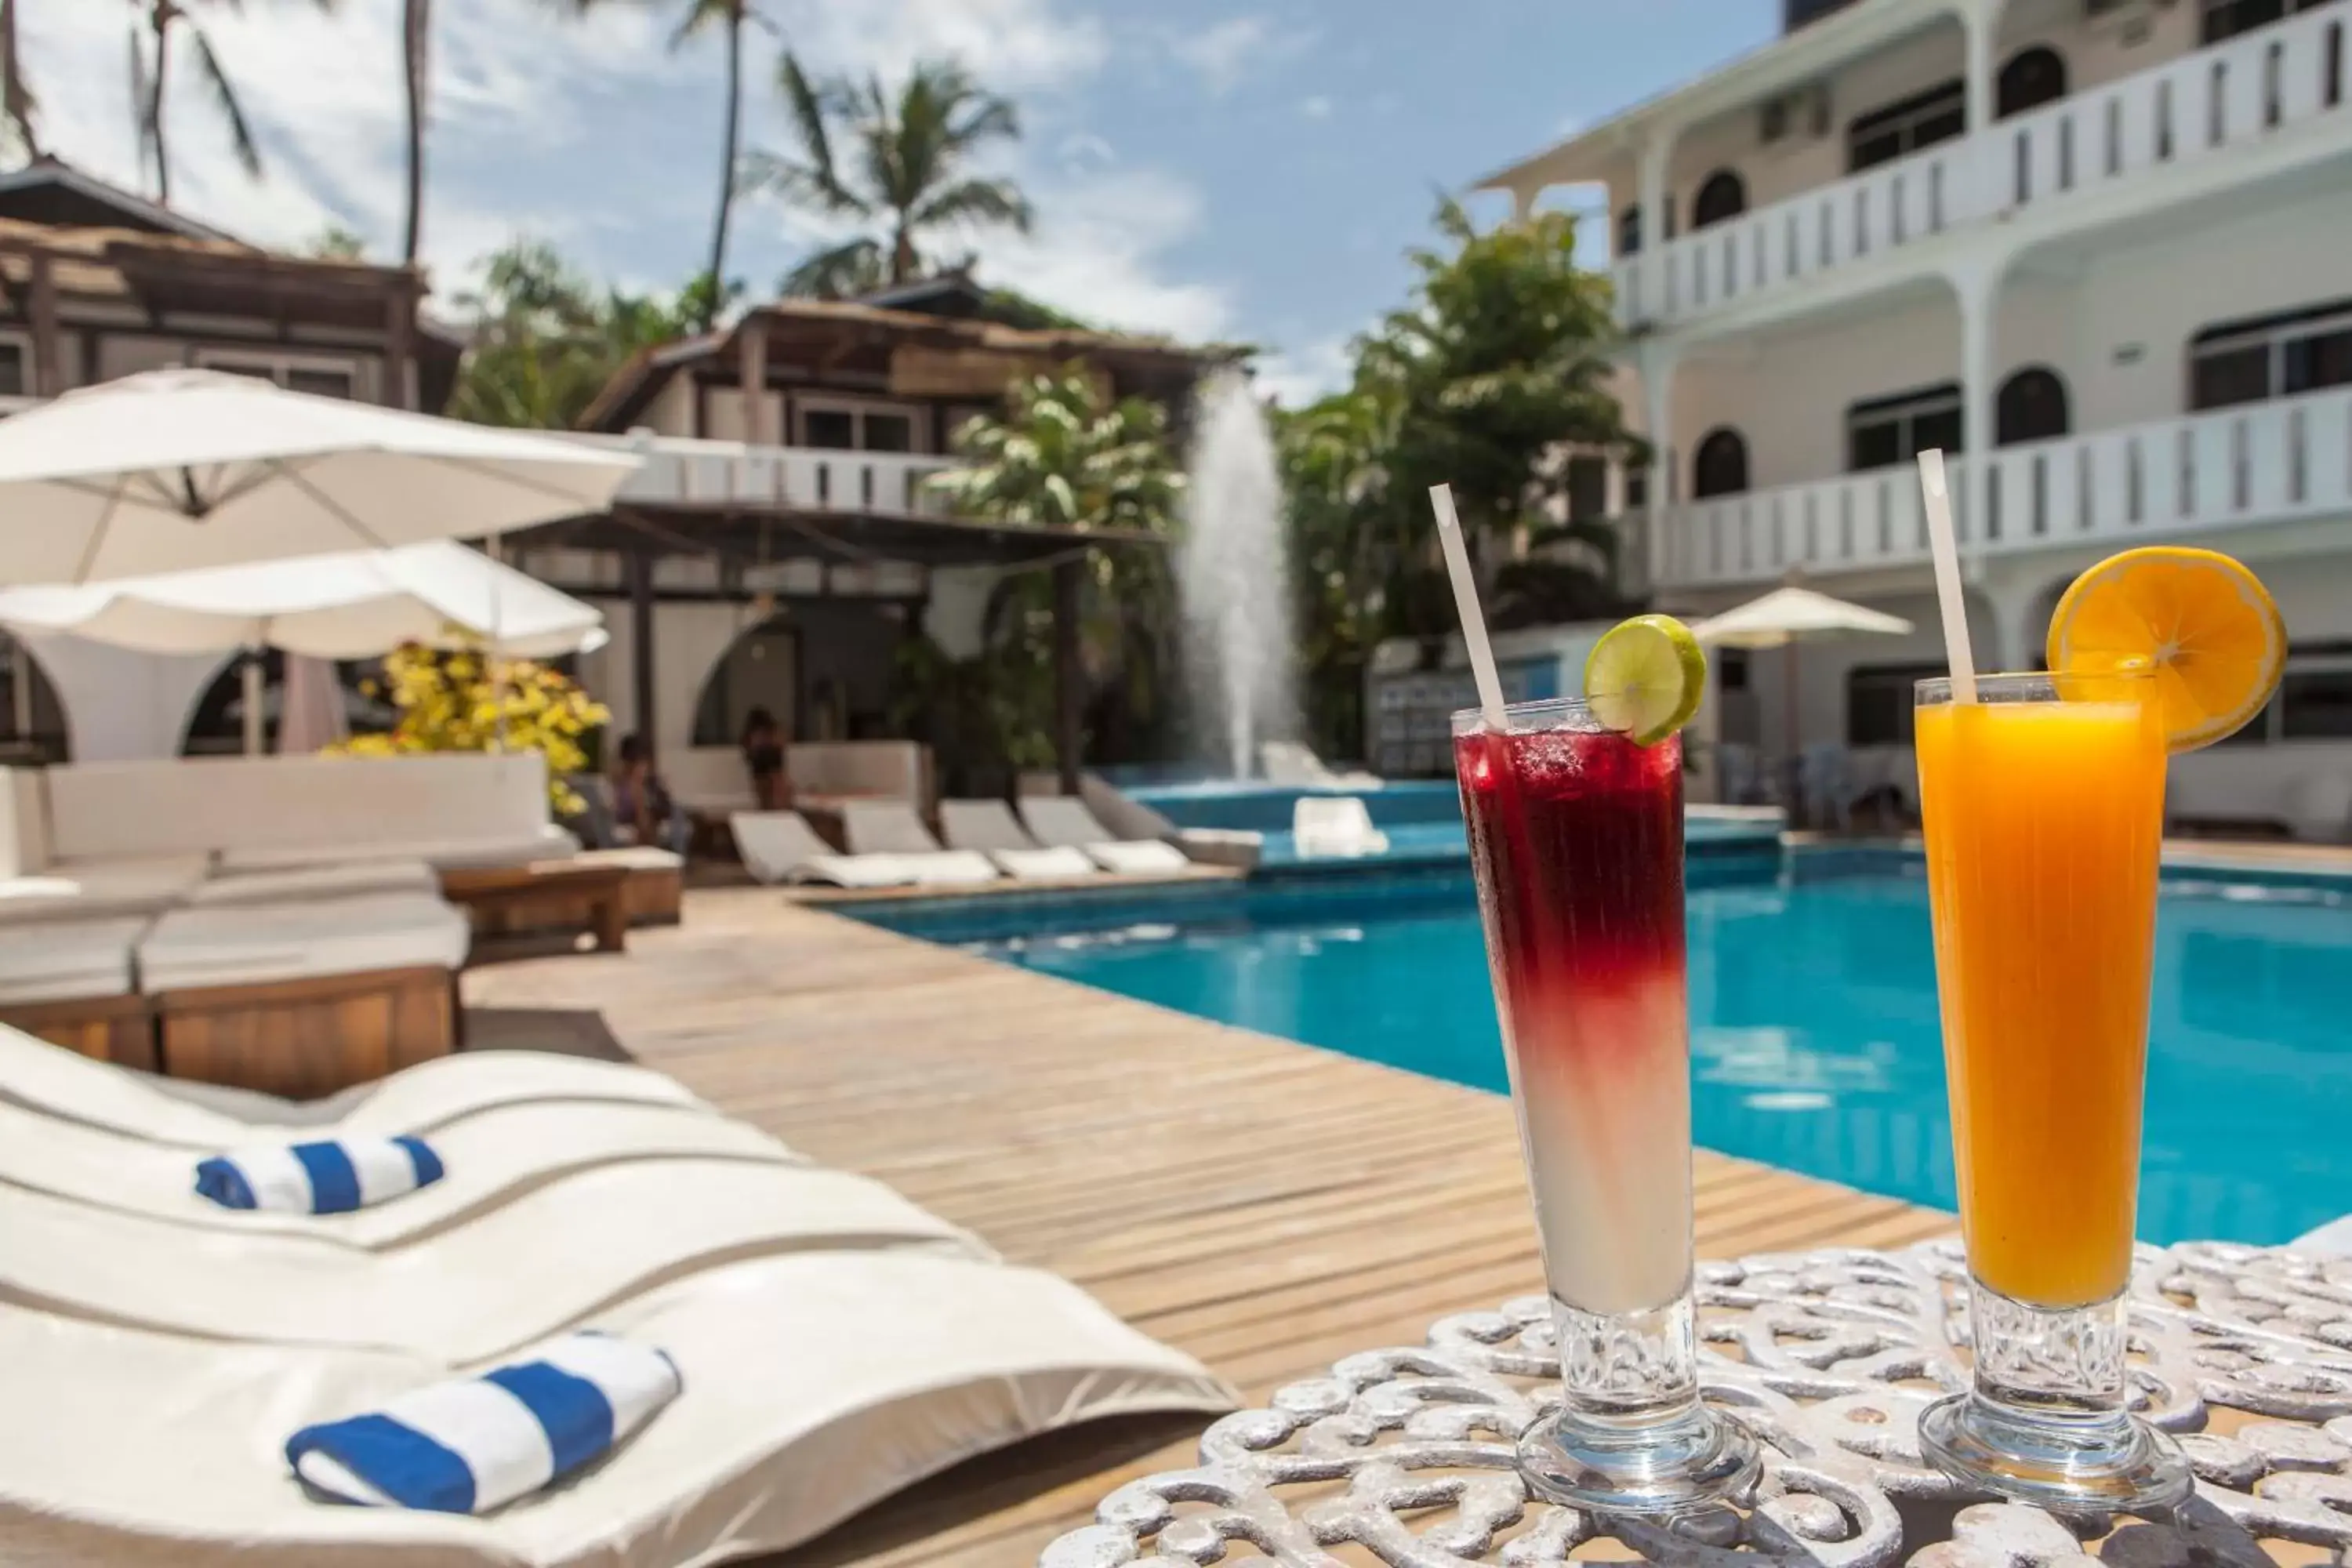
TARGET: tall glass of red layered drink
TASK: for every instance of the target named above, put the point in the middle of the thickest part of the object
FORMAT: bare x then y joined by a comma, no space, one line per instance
1575,835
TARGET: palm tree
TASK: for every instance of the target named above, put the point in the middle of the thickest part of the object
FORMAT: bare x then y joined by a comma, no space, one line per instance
151,70
416,60
16,99
911,152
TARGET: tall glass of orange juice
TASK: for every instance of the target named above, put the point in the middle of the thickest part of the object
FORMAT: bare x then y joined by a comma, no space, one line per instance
2043,803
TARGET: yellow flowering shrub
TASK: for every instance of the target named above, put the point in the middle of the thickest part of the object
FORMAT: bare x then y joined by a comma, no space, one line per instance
451,701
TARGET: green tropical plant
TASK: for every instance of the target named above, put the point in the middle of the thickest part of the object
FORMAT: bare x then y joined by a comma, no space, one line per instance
150,71
545,340
460,700
336,243
1062,456
908,175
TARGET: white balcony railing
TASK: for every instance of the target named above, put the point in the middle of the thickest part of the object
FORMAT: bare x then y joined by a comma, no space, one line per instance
2179,112
2264,462
679,471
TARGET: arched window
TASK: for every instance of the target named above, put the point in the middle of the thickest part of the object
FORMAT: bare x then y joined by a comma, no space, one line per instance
2030,406
46,739
1720,467
1628,230
2031,78
216,724
1723,196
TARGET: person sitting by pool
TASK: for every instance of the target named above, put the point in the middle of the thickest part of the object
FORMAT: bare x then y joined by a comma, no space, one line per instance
764,756
644,812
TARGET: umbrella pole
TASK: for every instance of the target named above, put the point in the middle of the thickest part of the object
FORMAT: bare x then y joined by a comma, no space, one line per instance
498,671
253,725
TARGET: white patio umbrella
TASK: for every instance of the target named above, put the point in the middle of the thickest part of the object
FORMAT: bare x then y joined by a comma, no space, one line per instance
1787,616
355,604
175,470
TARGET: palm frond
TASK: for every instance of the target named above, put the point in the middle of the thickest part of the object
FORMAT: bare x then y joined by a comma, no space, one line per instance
814,177
799,181
855,267
975,201
699,15
249,152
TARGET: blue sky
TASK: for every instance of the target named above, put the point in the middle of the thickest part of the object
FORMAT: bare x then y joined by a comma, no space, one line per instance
1212,168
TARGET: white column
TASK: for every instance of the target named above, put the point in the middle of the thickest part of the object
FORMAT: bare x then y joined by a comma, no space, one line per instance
1977,287
1979,24
1657,370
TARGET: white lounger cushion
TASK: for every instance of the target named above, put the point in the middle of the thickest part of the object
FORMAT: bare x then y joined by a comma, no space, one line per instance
1142,857
987,825
344,879
1062,820
780,847
93,890
946,867
549,843
475,1291
885,828
252,944
814,1386
422,1099
493,1158
1045,865
69,962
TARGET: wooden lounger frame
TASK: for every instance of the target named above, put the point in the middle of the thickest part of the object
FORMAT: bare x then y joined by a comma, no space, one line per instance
118,1029
303,1038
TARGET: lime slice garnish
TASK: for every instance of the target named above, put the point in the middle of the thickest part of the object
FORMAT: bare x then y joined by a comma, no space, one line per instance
1645,677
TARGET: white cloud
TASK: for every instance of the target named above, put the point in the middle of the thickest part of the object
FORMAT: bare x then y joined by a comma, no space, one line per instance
1295,377
1316,108
1227,52
1083,151
1097,253
1011,44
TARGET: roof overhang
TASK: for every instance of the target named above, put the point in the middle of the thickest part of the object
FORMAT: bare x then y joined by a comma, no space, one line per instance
1789,62
745,536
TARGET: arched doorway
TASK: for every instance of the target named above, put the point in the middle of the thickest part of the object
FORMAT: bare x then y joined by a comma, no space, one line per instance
32,715
1720,468
217,723
2031,78
2030,406
760,668
1722,197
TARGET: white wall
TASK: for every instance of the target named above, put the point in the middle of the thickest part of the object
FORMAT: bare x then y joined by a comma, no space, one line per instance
122,706
671,412
689,638
1790,395
2101,53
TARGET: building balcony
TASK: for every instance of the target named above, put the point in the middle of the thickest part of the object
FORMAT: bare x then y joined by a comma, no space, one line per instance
2203,476
731,476
2281,85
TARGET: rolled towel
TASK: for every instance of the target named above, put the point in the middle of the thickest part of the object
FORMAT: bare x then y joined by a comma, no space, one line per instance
476,1444
332,1177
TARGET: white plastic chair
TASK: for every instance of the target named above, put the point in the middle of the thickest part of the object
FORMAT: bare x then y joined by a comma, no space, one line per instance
1329,826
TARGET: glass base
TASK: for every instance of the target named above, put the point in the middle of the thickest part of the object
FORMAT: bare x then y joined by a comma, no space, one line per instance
1695,1459
2111,1464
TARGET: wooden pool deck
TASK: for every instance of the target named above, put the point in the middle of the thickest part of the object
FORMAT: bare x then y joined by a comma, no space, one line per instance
1266,1206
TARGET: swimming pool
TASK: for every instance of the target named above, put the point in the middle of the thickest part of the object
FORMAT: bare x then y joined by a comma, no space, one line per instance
1814,1037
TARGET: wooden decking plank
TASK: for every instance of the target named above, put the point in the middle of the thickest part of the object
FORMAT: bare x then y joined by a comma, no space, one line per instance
1265,1205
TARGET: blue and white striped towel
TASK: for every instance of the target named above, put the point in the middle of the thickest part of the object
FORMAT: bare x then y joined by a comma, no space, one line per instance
318,1178
476,1443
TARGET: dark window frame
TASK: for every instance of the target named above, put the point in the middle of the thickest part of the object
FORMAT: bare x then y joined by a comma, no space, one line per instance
2005,422
1920,120
1890,701
2218,21
2278,336
1902,412
2006,96
1704,213
1722,438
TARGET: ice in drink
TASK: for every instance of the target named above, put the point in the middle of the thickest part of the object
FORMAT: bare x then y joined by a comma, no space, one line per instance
1577,838
2043,821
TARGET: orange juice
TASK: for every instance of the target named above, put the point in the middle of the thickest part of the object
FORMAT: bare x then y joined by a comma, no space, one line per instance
2043,823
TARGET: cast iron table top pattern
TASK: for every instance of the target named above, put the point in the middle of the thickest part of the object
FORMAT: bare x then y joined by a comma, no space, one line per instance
1405,1457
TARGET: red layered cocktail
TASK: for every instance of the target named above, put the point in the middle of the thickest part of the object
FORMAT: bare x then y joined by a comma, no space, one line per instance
1576,834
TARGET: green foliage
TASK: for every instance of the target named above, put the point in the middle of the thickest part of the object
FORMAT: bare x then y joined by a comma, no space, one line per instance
1499,362
1060,457
453,700
895,162
545,340
337,242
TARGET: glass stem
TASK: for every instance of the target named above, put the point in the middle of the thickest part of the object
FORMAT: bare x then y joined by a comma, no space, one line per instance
1629,1370
2055,1362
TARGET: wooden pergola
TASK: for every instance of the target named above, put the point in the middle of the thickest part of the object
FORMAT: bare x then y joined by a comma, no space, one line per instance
737,535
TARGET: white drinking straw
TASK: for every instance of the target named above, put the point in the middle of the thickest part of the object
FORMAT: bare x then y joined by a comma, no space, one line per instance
1947,547
1466,602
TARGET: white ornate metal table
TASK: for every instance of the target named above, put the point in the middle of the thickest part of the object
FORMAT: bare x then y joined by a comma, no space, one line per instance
1404,1457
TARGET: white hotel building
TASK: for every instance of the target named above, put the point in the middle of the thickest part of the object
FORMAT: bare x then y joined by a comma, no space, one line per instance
2099,249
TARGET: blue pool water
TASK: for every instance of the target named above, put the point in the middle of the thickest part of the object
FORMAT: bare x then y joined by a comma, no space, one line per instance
1815,1035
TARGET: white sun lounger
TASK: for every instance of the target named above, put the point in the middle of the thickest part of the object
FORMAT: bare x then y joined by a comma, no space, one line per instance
1334,826
988,828
472,1292
431,1095
492,1159
1063,821
780,846
891,828
813,1387
339,880
1289,763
